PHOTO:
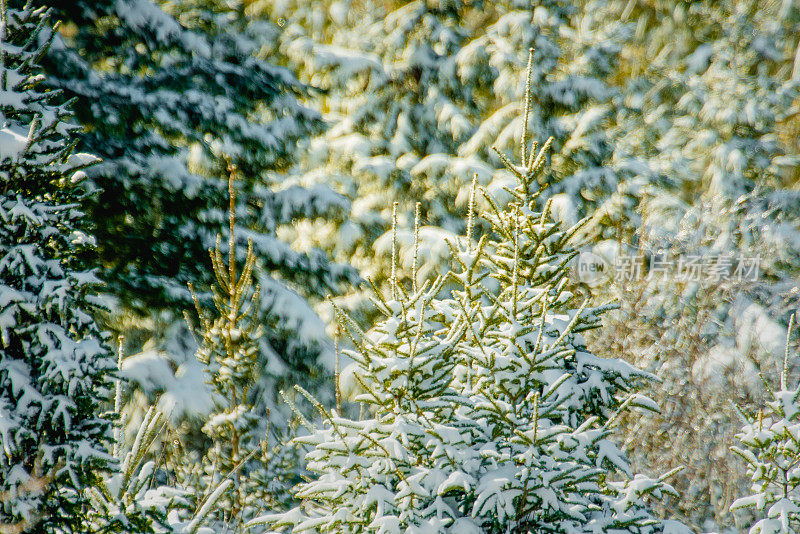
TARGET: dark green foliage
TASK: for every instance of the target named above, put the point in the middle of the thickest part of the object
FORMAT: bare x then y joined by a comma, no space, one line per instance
160,101
54,365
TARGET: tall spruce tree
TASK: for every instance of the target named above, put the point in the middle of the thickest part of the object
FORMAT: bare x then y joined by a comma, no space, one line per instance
484,411
54,364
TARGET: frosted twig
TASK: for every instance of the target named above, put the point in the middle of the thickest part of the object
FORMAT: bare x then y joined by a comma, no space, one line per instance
527,110
337,371
231,223
416,248
393,279
515,267
118,397
509,165
540,158
471,208
786,353
210,501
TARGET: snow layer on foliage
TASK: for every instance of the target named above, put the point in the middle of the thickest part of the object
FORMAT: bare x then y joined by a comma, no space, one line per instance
380,166
294,201
297,320
720,360
489,129
348,62
145,15
150,369
437,167
563,209
184,391
757,330
12,143
502,180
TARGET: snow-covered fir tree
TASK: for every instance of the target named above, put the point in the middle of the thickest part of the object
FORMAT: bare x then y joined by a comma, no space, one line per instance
482,411
54,364
770,446
546,403
241,448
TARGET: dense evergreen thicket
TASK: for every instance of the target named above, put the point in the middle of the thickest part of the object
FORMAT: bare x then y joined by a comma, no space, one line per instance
417,93
553,332
167,93
162,96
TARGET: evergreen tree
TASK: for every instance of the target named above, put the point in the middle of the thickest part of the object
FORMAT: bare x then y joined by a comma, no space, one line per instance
484,410
238,448
535,385
54,364
131,499
163,89
772,454
137,496
718,106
